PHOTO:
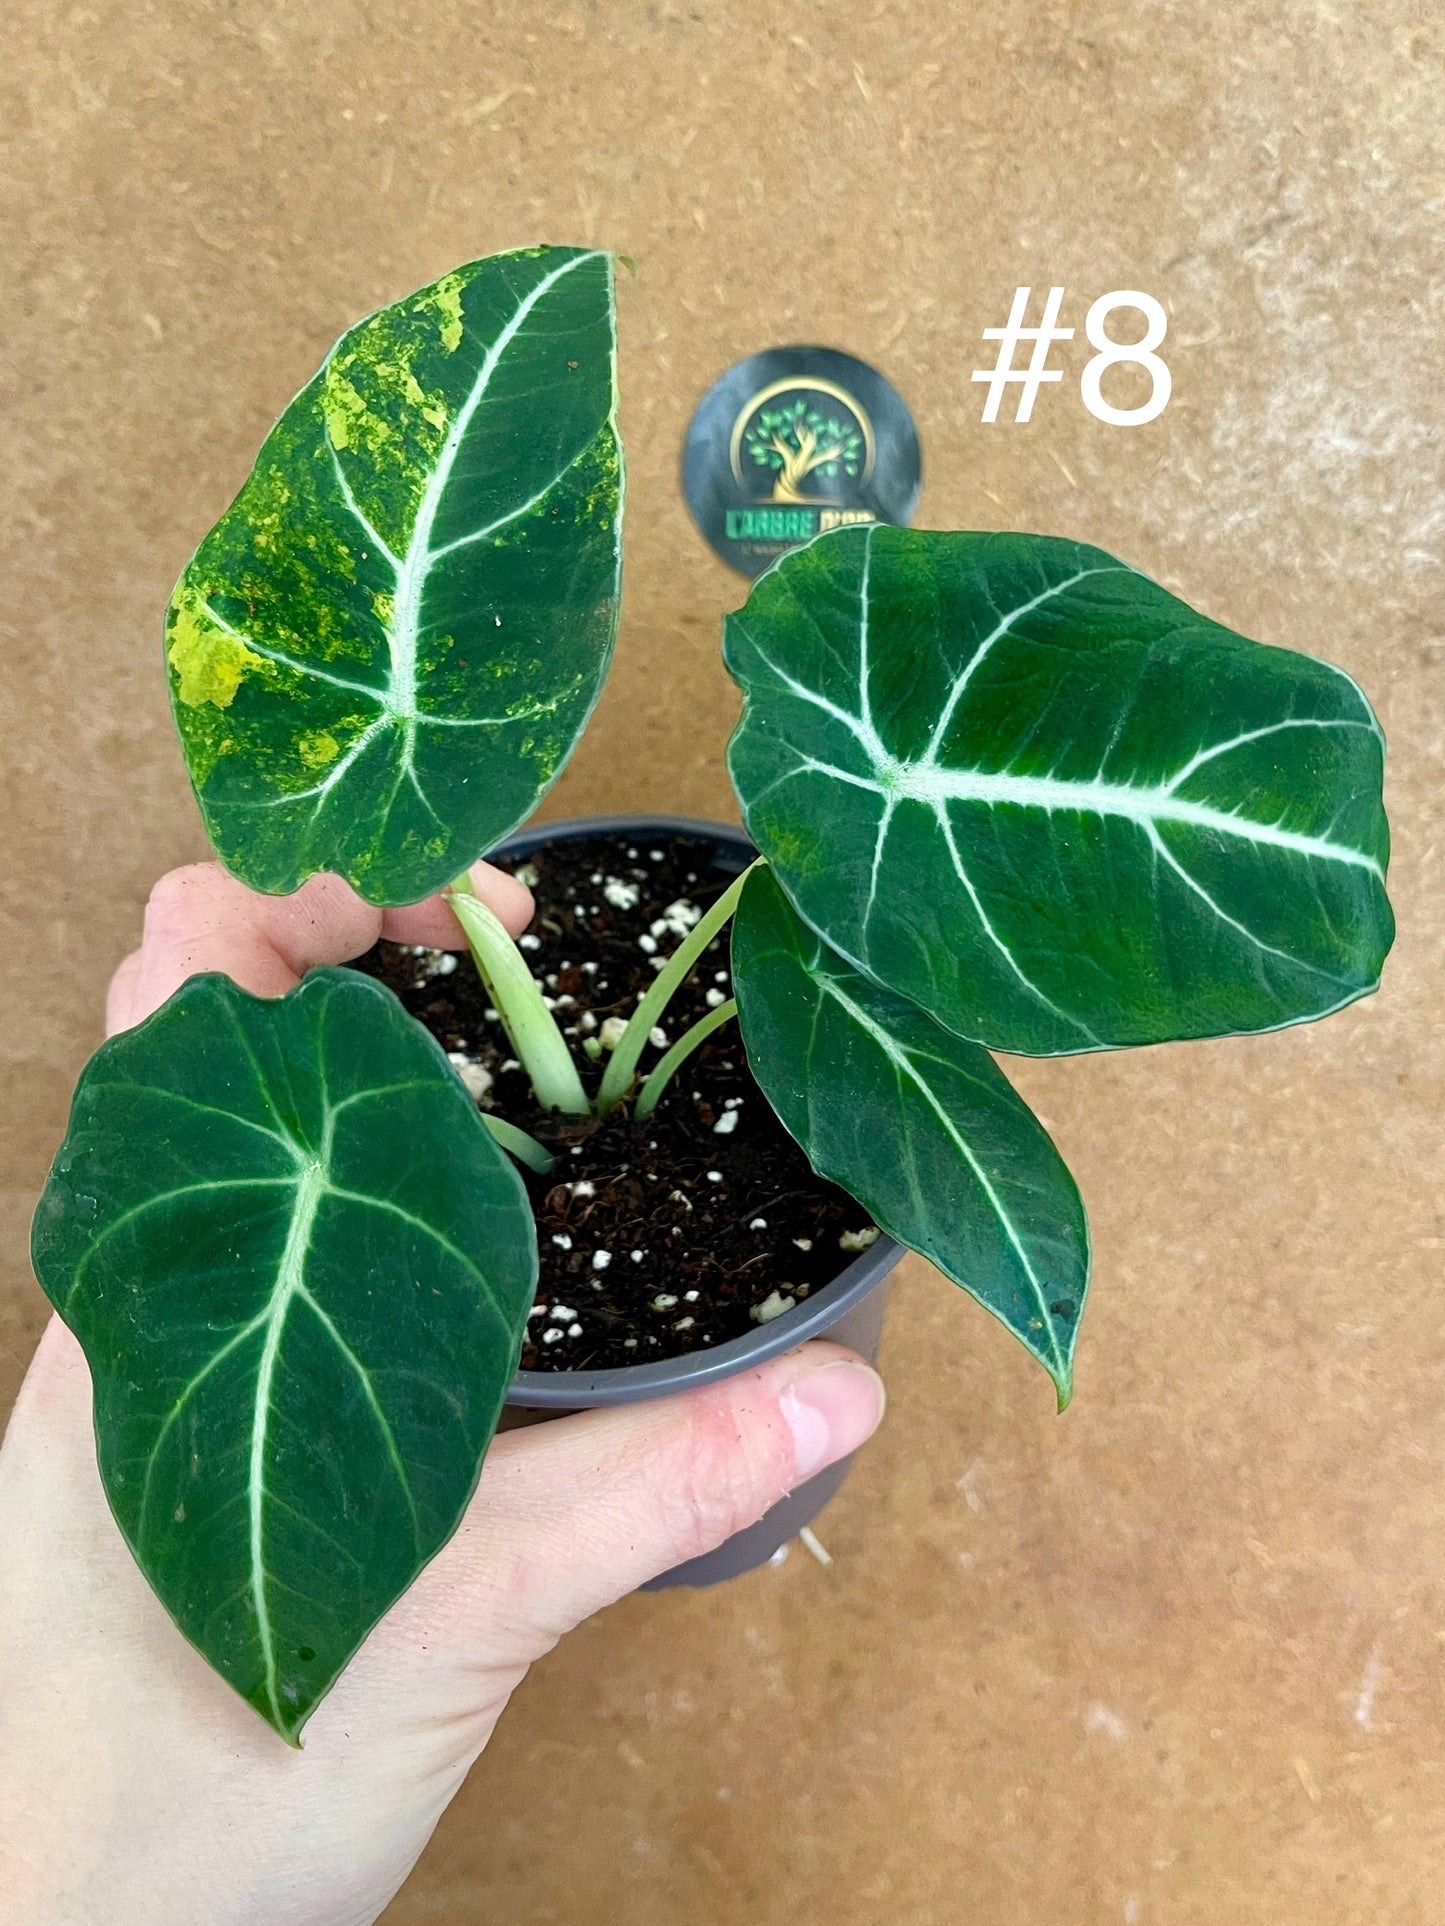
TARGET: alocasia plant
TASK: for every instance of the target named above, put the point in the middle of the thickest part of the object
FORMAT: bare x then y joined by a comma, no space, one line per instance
1008,793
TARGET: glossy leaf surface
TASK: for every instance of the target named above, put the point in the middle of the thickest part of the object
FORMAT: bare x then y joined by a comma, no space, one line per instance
1022,784
300,1269
918,1124
385,650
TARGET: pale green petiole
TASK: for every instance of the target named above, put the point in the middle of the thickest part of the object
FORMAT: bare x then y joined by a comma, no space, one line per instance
623,1067
667,1066
540,1046
518,1144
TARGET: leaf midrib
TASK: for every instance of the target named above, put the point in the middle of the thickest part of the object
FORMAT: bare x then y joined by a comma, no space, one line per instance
1143,804
404,629
936,784
311,1187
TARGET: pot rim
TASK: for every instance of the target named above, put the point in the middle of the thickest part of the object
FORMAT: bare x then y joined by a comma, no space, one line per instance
630,1383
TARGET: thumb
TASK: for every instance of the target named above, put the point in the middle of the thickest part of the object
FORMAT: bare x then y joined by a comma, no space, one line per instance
574,1514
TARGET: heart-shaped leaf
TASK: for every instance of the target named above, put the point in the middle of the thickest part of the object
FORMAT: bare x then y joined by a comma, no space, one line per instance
1024,785
919,1125
300,1269
386,648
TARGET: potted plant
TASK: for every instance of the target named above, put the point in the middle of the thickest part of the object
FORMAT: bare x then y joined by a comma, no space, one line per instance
1005,792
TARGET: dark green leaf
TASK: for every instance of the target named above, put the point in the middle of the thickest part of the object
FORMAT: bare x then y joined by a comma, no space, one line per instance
1024,785
386,648
919,1125
300,1269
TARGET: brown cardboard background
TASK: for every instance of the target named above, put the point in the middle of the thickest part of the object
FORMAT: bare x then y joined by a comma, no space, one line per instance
1178,1658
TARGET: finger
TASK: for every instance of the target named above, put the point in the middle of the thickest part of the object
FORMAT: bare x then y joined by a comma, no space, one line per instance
201,918
432,922
120,997
574,1514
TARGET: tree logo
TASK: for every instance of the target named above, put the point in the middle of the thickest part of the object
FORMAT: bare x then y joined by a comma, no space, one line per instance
802,441
792,443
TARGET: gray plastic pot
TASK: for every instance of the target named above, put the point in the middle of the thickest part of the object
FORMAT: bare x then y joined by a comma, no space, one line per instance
849,1310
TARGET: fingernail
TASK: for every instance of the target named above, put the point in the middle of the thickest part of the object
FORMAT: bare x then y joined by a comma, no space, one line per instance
830,1412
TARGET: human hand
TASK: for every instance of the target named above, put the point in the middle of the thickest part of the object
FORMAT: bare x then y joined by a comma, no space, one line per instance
134,1785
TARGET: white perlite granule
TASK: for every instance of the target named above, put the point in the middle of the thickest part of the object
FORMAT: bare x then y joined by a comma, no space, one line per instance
858,1240
772,1306
432,962
477,1079
620,895
676,920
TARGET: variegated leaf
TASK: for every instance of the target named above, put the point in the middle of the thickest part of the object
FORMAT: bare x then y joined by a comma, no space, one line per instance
385,650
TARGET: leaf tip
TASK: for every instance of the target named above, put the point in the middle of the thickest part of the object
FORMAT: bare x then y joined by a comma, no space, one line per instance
285,1720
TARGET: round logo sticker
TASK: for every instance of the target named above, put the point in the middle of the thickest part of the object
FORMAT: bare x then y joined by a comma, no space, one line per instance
793,442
